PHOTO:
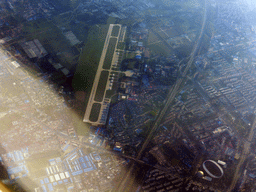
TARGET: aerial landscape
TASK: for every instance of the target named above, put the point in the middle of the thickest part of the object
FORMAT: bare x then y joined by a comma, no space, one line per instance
125,95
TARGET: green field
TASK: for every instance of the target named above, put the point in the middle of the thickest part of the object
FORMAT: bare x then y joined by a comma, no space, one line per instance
95,111
89,59
174,5
165,32
160,48
101,86
67,4
157,40
115,31
79,29
52,39
48,34
110,53
121,45
88,64
129,55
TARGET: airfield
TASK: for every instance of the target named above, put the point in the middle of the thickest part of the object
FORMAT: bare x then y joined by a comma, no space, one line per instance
106,77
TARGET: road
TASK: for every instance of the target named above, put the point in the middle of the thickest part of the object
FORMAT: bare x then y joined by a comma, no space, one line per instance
127,182
245,153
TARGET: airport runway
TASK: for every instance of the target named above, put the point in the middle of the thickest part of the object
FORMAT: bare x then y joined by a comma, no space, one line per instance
98,75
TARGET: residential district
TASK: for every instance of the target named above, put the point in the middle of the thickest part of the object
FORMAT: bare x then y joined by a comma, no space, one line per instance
205,139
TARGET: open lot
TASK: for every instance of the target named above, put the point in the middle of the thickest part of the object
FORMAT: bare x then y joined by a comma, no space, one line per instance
38,162
166,40
160,48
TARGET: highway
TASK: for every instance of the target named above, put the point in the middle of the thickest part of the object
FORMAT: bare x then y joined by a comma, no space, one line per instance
127,182
245,153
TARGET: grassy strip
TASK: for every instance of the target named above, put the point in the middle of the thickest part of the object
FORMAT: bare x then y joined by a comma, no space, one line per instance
101,86
115,31
89,59
95,111
110,53
88,64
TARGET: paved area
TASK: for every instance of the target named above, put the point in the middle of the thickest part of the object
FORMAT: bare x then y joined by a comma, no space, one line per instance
105,102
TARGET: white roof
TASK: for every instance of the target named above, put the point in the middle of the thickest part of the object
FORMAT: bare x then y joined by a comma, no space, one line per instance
57,177
67,174
65,71
16,65
62,176
72,38
52,179
57,66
